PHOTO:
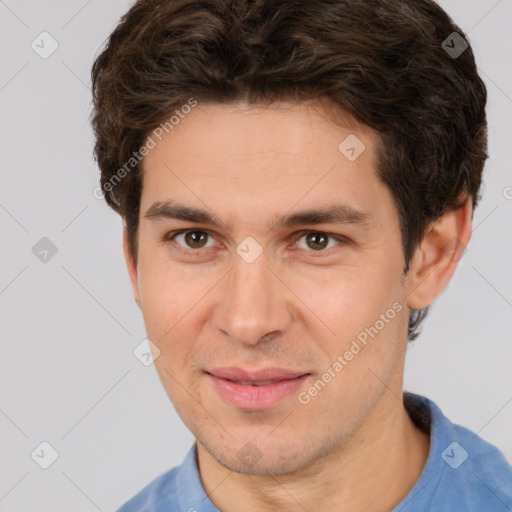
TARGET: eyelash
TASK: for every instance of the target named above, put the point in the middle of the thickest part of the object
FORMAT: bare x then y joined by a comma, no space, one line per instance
340,239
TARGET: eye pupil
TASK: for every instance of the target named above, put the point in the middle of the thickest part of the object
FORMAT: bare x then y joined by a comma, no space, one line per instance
314,237
194,238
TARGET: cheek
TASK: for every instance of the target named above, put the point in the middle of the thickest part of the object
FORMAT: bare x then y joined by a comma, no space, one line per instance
350,300
171,304
160,307
162,290
365,359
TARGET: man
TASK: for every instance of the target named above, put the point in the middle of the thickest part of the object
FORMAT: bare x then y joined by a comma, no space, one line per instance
297,181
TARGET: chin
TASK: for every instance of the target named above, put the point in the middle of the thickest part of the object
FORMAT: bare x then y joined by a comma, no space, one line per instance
266,458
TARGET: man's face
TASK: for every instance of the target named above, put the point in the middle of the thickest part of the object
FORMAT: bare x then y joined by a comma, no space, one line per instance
253,299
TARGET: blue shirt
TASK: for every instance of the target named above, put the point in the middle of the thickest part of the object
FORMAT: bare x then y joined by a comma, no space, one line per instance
463,473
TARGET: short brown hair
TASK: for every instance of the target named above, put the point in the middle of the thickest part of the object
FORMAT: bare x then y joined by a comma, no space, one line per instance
382,61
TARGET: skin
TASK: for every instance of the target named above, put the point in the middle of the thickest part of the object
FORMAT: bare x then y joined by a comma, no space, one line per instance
297,306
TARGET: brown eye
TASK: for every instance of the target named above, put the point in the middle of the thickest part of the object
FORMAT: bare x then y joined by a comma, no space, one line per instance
195,239
318,241
192,239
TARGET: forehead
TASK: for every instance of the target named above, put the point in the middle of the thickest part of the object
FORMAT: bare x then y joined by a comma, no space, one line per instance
279,131
263,160
280,127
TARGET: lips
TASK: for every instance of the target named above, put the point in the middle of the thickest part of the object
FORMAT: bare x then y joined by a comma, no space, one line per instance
255,390
258,383
258,376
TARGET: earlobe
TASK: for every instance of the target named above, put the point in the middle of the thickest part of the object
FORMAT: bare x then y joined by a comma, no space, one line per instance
131,267
437,256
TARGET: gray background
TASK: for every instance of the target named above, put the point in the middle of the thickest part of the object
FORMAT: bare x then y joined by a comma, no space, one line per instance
69,325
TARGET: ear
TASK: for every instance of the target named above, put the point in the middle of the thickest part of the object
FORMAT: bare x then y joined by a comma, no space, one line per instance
132,268
437,256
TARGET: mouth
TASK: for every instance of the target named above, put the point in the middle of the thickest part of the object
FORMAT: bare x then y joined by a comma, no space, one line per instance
262,383
255,390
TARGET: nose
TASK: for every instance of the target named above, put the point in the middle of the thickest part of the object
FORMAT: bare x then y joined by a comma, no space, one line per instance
254,302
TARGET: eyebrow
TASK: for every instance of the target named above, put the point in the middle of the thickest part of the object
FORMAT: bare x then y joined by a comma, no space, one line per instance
331,214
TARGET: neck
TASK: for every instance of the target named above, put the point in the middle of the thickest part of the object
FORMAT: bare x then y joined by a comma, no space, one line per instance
373,470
